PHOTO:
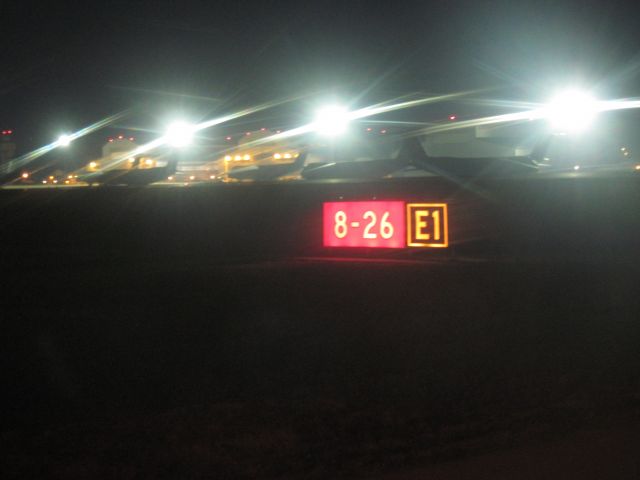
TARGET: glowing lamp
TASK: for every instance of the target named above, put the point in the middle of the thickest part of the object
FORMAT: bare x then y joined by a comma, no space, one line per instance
64,140
331,121
179,134
571,111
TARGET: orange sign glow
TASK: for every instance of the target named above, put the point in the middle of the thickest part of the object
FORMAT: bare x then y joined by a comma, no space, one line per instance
427,225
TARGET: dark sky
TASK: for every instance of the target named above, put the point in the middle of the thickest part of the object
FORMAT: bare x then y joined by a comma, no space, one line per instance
69,63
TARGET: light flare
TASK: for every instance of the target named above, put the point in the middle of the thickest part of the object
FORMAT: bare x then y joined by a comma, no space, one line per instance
64,140
27,158
359,114
571,111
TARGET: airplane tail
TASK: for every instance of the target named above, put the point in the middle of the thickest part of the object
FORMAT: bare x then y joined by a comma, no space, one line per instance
172,165
412,152
471,166
300,161
539,150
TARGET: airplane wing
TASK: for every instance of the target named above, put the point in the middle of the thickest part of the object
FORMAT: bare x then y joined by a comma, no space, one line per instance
268,172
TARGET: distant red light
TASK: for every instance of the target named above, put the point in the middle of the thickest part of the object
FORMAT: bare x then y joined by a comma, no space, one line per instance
120,137
263,129
369,129
10,132
131,139
110,139
228,138
452,117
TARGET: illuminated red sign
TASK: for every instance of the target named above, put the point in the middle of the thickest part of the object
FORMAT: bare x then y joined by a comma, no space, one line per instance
385,224
364,224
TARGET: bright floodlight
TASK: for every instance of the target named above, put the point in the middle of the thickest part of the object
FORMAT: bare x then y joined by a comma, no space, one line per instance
331,121
571,111
64,140
179,134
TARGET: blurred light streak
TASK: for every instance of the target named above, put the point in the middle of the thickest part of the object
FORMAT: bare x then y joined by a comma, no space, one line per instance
383,108
508,117
27,158
400,123
161,141
377,109
621,104
242,113
538,113
512,104
166,94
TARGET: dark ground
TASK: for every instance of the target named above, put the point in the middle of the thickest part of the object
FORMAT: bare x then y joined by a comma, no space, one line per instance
179,333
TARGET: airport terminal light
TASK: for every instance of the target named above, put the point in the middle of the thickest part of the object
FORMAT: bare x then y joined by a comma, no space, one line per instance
331,121
64,140
179,134
571,111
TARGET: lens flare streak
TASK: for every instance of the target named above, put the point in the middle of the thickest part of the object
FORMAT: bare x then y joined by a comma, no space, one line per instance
359,114
27,158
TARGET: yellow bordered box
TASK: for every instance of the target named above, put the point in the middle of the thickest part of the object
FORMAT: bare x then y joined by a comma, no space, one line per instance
427,225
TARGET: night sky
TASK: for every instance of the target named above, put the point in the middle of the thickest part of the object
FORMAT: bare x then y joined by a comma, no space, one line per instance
66,64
